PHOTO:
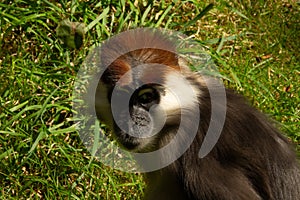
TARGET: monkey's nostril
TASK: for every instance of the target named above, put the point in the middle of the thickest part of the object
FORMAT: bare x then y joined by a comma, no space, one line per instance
141,120
141,125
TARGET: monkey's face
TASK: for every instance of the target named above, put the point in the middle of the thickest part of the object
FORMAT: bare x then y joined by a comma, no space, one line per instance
144,104
142,93
135,123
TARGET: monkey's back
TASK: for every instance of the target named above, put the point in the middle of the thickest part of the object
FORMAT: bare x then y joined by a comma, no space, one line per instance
251,160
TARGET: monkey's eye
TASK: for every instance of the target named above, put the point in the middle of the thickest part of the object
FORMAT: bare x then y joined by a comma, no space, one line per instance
147,97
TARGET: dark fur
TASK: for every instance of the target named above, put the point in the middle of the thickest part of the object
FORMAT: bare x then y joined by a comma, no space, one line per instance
251,160
248,162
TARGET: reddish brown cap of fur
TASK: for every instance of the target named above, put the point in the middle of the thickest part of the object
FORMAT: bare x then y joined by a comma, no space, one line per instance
133,48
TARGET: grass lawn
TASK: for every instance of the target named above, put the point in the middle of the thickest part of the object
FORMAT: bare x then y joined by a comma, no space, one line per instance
256,46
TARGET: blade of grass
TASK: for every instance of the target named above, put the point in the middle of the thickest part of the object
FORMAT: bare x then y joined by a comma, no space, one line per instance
162,17
6,153
145,14
16,116
94,22
69,129
220,46
199,16
41,136
17,107
40,112
51,5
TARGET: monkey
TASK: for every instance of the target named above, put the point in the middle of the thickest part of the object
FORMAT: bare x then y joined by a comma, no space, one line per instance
251,159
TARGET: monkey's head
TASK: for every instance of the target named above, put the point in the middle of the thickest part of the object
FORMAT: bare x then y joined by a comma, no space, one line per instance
143,91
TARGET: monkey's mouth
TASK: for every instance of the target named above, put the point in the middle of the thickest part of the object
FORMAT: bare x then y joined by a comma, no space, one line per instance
135,131
134,137
127,141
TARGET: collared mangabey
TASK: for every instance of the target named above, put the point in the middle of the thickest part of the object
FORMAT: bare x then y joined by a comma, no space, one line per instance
251,159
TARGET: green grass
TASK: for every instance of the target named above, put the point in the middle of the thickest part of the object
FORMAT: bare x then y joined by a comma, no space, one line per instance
255,45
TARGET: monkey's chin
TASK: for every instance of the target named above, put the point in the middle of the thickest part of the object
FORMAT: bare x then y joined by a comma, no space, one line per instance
134,144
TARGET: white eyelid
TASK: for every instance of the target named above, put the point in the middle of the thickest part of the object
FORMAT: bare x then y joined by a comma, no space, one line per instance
143,91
